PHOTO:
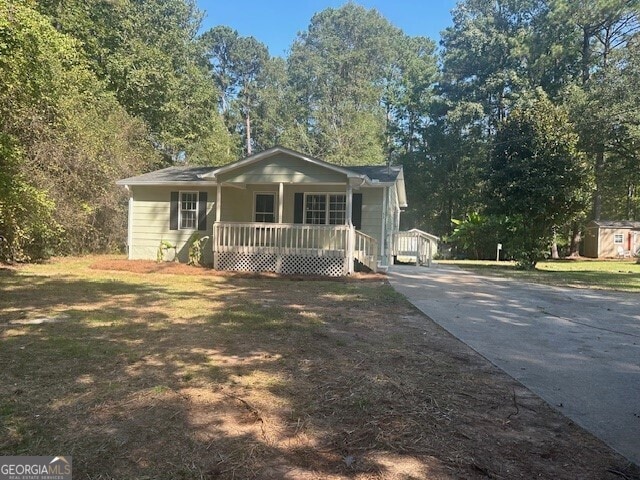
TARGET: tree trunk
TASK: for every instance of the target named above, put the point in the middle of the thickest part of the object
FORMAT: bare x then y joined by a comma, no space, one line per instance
574,247
554,246
248,132
599,170
586,53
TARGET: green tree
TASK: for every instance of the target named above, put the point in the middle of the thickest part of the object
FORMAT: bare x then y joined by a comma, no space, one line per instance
485,58
486,53
536,177
409,93
237,65
337,70
65,141
593,40
148,54
273,119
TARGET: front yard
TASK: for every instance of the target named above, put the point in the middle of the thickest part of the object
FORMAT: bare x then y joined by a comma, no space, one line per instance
620,275
180,373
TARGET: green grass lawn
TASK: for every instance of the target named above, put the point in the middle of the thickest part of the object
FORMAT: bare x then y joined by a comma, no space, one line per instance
175,372
621,275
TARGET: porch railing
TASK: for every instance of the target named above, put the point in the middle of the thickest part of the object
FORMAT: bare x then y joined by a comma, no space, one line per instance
366,250
415,243
286,240
281,239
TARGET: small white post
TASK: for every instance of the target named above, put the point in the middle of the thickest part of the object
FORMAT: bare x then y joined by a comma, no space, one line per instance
351,240
280,202
215,232
349,212
218,202
498,252
130,224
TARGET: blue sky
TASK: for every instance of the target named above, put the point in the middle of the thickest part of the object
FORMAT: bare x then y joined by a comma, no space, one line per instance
276,22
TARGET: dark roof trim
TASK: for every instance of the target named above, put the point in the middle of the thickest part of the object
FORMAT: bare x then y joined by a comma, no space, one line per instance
615,224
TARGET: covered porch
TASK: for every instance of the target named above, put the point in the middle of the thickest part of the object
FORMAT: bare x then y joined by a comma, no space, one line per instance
280,211
291,249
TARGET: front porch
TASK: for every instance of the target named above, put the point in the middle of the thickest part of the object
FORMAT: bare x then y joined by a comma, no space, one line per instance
292,249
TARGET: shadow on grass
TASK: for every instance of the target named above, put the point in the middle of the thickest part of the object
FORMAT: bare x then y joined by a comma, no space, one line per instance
618,276
249,379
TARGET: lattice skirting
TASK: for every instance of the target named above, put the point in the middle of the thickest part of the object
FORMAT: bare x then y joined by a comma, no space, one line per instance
285,264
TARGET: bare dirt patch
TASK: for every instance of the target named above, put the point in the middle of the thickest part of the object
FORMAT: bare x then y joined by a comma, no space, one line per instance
201,376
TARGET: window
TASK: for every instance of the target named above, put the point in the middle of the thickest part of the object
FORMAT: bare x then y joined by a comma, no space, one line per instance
188,210
618,238
325,209
337,209
315,210
265,207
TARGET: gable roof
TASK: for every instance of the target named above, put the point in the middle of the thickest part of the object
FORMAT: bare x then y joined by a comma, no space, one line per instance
616,224
170,175
374,174
277,150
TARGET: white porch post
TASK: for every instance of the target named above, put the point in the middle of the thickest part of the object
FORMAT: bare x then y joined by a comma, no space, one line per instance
218,202
383,230
280,202
349,212
214,238
130,224
351,239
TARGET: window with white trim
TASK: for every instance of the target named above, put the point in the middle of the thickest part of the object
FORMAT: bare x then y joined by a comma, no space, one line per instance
265,207
188,210
325,209
618,238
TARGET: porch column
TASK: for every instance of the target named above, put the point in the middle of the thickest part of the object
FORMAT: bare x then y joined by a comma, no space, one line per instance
214,238
383,228
280,201
130,224
349,212
351,239
218,202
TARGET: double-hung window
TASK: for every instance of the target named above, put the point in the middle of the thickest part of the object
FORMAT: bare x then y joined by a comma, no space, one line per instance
188,210
325,208
618,238
265,207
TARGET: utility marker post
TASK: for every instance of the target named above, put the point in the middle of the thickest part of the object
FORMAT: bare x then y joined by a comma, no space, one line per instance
498,252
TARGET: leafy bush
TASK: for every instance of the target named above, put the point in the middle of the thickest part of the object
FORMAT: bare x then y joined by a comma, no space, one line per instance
477,236
195,249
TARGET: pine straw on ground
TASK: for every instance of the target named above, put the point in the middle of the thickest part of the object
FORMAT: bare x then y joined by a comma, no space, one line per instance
196,375
176,268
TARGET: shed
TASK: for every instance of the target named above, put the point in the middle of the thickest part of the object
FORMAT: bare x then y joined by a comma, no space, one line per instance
607,238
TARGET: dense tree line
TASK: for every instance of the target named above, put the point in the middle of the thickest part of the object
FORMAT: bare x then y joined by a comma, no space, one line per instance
583,57
520,129
90,92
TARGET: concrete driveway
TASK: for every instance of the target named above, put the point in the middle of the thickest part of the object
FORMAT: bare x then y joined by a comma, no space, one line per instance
578,349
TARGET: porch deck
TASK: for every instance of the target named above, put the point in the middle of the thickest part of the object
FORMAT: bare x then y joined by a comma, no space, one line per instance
331,250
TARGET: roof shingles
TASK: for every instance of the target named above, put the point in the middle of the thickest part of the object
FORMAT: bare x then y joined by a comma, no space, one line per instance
380,173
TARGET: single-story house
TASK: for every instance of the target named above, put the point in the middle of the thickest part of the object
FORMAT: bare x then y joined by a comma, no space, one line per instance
608,239
278,210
